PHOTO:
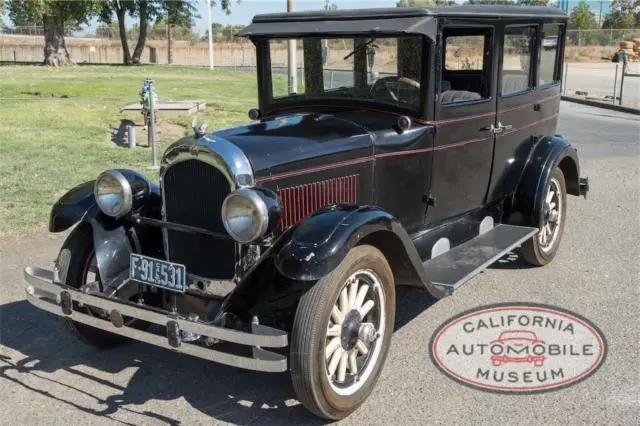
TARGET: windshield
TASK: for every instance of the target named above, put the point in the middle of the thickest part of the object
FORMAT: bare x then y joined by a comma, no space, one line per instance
385,70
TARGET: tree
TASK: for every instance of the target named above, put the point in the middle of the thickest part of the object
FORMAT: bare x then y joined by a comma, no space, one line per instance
174,12
414,3
535,2
582,18
501,2
121,8
623,14
54,15
330,5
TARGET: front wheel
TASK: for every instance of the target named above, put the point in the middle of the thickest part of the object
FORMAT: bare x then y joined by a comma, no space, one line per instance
542,248
76,265
341,334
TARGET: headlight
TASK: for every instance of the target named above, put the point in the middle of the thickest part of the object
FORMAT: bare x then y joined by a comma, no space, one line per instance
113,193
245,215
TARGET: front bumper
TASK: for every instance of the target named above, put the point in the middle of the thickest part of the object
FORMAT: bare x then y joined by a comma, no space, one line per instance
43,293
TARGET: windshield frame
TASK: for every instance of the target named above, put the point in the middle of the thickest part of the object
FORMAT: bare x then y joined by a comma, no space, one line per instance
270,105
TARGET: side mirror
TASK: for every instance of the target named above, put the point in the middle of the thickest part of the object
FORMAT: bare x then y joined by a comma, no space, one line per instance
254,114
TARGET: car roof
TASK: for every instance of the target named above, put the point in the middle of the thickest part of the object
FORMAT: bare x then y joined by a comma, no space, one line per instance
401,21
482,10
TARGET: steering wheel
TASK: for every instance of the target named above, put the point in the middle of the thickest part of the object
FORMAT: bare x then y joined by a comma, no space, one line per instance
384,82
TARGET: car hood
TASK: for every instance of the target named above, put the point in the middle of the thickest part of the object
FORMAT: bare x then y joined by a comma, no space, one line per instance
273,143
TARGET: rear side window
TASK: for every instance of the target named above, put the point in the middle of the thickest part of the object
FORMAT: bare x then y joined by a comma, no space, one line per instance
466,66
464,53
549,47
517,53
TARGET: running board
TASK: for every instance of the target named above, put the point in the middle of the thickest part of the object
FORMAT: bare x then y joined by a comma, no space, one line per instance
451,269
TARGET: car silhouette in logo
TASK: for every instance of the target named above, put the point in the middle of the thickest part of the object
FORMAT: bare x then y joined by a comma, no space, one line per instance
518,342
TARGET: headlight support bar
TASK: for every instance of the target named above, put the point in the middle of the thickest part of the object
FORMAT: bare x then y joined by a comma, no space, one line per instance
178,227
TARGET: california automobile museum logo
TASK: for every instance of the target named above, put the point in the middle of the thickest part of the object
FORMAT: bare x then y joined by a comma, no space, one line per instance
518,348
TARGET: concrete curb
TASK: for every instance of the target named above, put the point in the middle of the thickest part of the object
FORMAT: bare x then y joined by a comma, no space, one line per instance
619,108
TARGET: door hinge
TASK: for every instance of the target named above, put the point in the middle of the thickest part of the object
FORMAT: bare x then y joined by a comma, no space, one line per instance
429,200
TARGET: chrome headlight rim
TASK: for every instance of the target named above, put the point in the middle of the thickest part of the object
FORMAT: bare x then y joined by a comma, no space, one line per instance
260,207
127,192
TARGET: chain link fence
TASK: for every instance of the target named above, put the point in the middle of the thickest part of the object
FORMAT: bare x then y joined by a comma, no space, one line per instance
26,44
602,37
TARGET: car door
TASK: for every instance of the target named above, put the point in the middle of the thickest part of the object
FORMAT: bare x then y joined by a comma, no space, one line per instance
528,100
465,117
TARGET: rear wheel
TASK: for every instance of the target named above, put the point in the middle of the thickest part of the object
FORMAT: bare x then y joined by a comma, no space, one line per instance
77,267
542,248
341,334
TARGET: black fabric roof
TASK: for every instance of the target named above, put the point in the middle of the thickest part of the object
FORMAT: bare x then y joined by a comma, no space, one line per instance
399,12
403,25
389,20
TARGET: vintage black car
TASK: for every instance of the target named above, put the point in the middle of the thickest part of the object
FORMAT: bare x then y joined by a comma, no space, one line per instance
416,148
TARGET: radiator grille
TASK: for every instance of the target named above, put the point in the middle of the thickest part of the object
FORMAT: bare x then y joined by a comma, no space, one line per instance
193,195
300,201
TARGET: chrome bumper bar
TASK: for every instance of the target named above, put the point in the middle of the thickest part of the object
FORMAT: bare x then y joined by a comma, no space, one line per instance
43,293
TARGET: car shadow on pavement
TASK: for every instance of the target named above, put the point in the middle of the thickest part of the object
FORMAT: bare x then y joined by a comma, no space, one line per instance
224,393
511,260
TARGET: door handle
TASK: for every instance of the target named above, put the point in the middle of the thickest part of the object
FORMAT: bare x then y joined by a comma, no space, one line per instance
504,126
493,129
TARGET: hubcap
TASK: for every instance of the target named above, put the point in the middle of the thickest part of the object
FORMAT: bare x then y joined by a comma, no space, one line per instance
552,216
357,320
350,330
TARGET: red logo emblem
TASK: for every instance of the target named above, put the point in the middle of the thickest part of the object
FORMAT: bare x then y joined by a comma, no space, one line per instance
517,342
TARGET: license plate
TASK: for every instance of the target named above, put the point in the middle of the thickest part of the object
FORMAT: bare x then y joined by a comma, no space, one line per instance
158,273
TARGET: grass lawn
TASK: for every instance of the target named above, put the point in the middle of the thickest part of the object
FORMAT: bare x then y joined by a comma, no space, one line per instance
54,126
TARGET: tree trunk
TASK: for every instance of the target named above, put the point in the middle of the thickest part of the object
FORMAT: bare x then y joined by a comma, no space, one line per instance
55,51
169,61
142,38
126,54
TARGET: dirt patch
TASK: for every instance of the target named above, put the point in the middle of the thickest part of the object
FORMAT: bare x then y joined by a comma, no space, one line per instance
164,130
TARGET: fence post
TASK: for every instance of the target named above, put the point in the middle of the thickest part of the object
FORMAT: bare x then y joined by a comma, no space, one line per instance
611,37
579,37
624,71
615,83
566,71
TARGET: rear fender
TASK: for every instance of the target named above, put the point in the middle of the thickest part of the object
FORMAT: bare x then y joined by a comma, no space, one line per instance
549,152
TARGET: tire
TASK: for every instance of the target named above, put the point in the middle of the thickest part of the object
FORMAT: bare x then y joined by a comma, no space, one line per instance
535,251
335,395
72,265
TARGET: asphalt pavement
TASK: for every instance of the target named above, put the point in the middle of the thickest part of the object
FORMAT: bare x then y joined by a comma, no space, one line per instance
46,377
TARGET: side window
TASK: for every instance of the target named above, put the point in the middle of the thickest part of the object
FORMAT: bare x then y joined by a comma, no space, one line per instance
466,60
517,52
548,53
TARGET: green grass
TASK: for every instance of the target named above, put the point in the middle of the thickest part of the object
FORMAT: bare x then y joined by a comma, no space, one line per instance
54,126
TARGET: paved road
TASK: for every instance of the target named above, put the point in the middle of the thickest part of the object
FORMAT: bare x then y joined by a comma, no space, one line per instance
48,378
598,79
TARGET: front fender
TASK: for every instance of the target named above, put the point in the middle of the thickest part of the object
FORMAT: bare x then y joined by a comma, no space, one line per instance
319,243
80,204
549,152
111,243
72,207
